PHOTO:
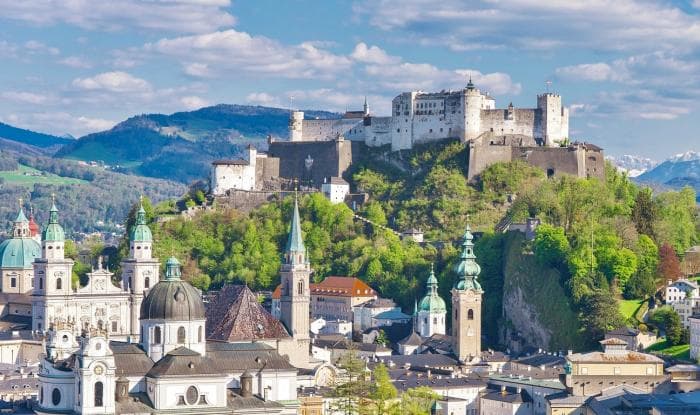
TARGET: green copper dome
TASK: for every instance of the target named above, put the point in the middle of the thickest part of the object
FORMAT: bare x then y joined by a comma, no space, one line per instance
141,232
432,302
53,231
19,253
467,269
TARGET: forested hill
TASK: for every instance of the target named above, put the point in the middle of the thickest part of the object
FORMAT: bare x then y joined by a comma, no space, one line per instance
597,237
32,138
181,146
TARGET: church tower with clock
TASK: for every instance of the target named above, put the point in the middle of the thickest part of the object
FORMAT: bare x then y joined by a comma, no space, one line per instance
140,271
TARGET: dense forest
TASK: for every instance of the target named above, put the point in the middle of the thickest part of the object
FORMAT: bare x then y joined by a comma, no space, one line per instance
599,236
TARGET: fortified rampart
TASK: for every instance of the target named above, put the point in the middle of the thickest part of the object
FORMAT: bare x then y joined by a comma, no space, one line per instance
311,162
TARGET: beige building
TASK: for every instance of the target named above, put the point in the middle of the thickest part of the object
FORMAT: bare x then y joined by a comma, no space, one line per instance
589,374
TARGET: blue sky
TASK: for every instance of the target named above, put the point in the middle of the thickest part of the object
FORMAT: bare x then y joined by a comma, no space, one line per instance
629,70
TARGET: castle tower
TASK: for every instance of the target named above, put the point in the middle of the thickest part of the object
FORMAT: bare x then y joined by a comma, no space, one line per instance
296,121
554,119
466,304
473,102
52,275
140,271
295,297
96,376
430,317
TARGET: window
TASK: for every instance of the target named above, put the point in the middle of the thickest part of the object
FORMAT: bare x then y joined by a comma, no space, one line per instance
98,393
114,327
181,335
59,284
584,370
199,334
147,282
156,335
300,288
617,371
650,371
13,282
191,395
41,396
470,314
434,320
56,397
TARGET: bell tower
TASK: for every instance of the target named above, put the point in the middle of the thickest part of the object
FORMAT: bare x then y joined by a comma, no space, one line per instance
295,272
52,276
466,304
140,271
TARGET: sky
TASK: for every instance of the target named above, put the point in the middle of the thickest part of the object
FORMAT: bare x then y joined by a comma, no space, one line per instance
628,70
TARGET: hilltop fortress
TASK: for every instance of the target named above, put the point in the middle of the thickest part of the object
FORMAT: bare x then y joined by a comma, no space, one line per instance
319,149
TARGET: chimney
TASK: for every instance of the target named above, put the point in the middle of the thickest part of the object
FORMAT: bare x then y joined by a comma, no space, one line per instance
246,384
122,389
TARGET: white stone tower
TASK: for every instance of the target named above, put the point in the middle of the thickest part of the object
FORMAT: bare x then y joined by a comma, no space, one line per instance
52,275
473,101
554,119
96,379
140,271
295,273
466,304
432,310
296,121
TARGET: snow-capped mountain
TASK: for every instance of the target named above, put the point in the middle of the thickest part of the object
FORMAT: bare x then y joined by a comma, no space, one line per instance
676,172
633,165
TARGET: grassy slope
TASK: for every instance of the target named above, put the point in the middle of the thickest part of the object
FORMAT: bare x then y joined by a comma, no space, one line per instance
543,291
628,308
682,351
28,177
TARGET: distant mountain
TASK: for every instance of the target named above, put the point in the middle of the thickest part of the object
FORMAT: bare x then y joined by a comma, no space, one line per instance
32,138
633,165
181,146
676,172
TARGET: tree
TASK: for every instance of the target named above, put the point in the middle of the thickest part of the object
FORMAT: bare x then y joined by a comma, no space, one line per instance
418,401
644,212
551,246
381,338
383,392
669,265
600,313
352,387
668,320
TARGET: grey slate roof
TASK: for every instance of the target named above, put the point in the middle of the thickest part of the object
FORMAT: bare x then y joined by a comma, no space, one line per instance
413,339
184,362
435,382
508,396
173,300
424,360
130,359
237,357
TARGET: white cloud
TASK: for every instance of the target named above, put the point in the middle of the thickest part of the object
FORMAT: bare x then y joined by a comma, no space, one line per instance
222,52
34,46
372,54
76,62
59,123
116,81
264,99
200,70
184,16
26,97
192,102
588,72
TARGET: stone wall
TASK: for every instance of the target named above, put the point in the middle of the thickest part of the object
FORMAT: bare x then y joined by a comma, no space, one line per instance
330,158
320,130
245,201
519,121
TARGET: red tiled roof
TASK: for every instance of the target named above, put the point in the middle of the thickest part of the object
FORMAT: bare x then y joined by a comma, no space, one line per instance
336,286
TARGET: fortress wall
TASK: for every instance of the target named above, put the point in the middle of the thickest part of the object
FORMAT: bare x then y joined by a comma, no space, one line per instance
524,122
554,160
330,158
595,163
378,132
428,128
482,156
265,169
319,130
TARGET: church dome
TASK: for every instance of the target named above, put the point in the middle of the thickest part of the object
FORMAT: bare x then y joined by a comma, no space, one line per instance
141,232
433,304
19,253
173,298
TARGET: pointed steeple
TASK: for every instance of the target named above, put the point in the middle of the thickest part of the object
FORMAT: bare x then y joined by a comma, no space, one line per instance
20,229
141,232
365,107
467,269
20,215
295,244
53,232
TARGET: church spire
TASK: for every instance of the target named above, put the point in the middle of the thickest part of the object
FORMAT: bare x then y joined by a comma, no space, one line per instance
467,269
54,231
295,244
365,107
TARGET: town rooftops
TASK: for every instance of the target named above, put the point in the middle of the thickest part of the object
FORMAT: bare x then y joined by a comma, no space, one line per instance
392,315
442,382
613,341
378,303
234,162
343,287
508,395
412,339
623,331
601,357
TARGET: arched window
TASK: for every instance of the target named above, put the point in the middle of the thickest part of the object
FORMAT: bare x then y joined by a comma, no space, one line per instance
98,393
434,320
156,335
199,334
41,283
56,397
100,325
13,282
300,288
181,335
59,284
470,314
147,282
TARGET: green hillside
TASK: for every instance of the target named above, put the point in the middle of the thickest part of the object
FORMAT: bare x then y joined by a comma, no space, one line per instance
28,177
20,135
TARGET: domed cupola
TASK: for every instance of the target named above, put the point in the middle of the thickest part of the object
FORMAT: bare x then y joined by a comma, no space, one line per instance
172,316
173,298
430,316
21,250
141,232
53,231
432,302
467,269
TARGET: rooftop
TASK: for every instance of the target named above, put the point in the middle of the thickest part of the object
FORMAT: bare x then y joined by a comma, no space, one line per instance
625,357
236,162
